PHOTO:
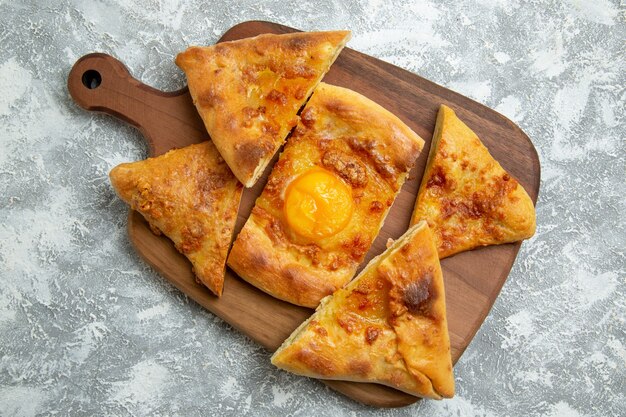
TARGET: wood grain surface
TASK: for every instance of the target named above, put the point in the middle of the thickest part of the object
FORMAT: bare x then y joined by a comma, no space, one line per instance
473,279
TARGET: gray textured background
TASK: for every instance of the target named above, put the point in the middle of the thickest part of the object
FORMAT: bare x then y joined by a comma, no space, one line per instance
87,328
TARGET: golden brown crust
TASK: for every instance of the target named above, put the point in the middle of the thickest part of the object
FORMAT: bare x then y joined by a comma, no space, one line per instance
301,270
192,197
466,197
417,310
270,266
249,91
387,326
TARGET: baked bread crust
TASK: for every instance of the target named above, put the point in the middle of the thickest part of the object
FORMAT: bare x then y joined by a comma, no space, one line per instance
191,196
466,197
387,326
248,92
372,151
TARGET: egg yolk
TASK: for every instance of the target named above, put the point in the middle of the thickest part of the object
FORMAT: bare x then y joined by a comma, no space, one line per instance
318,204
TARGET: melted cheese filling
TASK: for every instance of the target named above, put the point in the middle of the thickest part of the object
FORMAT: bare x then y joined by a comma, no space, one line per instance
318,204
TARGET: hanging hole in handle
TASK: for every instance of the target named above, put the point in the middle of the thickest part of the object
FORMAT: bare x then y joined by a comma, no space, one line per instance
91,79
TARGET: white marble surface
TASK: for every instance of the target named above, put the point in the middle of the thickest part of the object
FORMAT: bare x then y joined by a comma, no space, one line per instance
86,328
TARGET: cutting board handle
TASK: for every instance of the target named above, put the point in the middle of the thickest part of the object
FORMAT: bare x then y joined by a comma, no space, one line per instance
99,82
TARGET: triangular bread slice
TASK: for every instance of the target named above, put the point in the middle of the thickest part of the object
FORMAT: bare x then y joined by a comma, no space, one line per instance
248,92
191,196
466,197
387,326
351,157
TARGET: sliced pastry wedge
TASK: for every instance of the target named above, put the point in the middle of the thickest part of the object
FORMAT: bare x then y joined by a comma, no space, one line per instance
387,326
192,197
466,197
248,92
326,198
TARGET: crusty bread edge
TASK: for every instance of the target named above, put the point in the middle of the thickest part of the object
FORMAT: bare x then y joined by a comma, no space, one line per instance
262,166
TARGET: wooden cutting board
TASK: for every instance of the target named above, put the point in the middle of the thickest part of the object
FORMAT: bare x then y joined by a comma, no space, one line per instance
99,82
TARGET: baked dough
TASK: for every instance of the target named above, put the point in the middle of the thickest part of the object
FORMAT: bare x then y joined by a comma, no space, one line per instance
191,196
466,197
387,326
342,138
248,92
